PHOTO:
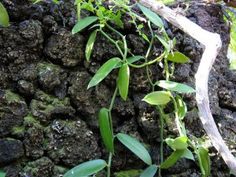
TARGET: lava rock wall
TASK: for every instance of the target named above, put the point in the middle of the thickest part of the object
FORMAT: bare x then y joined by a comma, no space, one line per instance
48,118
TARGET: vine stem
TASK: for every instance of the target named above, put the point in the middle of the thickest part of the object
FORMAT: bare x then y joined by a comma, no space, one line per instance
113,41
147,55
148,63
123,39
78,10
114,30
124,55
180,127
113,99
109,165
111,127
161,113
212,43
166,67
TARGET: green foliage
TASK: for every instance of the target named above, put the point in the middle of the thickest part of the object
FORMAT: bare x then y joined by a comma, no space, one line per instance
83,23
134,59
105,129
168,1
177,57
37,1
179,143
87,168
4,18
136,147
153,17
174,86
204,161
232,45
149,171
188,154
172,159
123,81
106,17
158,98
164,42
90,44
105,69
2,173
233,64
181,107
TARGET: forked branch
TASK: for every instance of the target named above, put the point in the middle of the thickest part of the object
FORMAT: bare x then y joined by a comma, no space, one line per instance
212,43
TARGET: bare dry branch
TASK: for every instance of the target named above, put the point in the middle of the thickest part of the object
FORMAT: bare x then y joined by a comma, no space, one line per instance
212,43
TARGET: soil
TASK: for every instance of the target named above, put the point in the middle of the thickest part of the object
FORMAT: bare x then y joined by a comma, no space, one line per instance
48,118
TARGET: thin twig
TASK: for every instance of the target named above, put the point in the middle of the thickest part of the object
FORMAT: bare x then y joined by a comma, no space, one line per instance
212,43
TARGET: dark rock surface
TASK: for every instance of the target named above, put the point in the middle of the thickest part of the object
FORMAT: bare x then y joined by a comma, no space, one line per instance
88,102
41,167
65,48
46,107
48,118
71,142
13,108
10,151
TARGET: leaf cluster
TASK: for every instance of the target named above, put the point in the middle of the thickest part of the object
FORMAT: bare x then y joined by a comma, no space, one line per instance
105,15
182,146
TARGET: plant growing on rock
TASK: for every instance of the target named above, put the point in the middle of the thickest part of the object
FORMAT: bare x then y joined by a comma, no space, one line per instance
2,174
165,96
4,18
182,146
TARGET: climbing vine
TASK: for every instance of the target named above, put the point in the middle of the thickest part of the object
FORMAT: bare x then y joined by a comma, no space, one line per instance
106,19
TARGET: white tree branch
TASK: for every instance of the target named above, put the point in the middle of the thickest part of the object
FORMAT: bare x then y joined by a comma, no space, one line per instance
212,43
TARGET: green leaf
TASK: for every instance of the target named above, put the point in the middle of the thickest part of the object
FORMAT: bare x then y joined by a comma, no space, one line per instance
87,6
135,146
164,42
181,106
134,59
233,64
55,1
157,98
174,86
188,154
172,159
204,161
178,57
87,168
36,1
150,171
105,129
103,71
168,2
117,20
90,44
83,23
179,143
153,17
123,81
4,18
2,173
